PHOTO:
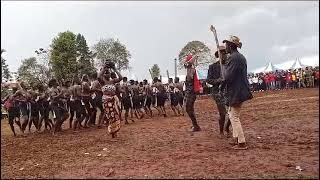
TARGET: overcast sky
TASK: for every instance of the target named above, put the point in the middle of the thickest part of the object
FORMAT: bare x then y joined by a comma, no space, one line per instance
155,32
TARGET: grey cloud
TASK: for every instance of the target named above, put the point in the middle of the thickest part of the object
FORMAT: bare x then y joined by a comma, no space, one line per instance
155,32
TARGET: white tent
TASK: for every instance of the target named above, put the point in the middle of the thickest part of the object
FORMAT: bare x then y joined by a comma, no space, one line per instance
268,68
297,64
291,64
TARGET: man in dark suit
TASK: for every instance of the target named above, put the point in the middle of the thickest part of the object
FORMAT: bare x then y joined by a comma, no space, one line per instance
234,73
214,78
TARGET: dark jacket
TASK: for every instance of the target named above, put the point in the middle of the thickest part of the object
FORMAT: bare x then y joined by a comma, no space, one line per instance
234,73
214,78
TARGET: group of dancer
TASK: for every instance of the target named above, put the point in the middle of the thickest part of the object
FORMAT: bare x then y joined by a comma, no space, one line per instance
80,101
111,94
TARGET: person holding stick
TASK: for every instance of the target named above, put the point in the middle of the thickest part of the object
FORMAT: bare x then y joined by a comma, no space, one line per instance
214,78
234,73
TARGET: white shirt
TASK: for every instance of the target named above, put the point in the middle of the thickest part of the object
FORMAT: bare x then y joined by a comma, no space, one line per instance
255,79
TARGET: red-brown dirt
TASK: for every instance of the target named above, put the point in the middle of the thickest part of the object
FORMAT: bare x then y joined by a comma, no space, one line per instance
287,123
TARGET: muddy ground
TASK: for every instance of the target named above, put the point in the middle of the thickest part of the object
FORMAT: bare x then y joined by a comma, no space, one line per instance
281,128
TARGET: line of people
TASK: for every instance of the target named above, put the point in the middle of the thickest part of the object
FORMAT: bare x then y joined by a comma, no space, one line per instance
280,79
80,100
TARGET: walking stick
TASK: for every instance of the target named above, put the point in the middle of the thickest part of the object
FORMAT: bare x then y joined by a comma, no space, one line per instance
213,29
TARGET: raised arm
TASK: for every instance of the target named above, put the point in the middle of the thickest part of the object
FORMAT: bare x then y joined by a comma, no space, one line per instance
118,79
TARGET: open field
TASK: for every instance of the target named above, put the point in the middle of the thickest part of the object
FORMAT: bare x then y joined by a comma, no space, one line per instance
286,122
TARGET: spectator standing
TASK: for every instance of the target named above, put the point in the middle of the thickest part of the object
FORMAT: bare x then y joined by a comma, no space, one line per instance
266,81
278,80
283,79
294,80
316,77
272,81
255,82
308,75
260,83
288,80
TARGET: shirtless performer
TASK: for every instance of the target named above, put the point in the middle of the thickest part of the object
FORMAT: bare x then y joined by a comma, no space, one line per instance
161,95
126,99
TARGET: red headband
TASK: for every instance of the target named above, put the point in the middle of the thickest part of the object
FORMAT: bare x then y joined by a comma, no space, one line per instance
189,58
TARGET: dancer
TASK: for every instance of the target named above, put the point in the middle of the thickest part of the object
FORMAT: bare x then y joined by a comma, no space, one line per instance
21,98
147,91
179,93
161,96
109,98
214,78
173,97
12,109
126,99
190,93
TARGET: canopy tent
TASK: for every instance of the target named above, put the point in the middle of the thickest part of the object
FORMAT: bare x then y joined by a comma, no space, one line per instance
291,64
297,65
268,68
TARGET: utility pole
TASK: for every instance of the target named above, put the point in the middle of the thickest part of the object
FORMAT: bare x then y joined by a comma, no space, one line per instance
175,67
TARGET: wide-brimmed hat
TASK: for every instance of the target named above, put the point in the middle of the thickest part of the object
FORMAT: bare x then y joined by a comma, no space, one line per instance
235,40
221,48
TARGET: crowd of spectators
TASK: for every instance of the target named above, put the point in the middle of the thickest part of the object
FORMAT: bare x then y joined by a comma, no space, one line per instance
307,77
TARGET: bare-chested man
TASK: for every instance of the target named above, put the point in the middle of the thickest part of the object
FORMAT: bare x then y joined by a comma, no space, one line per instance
179,93
59,112
97,96
86,100
77,104
33,108
173,98
21,98
44,108
126,99
161,95
136,100
147,91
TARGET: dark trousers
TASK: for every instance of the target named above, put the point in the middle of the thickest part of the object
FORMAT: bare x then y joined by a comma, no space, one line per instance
190,99
221,105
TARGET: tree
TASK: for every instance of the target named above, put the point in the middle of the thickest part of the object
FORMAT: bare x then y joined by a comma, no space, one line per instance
64,56
31,72
155,71
113,50
200,52
43,59
84,56
6,76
